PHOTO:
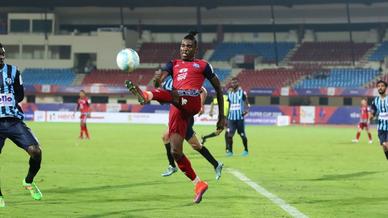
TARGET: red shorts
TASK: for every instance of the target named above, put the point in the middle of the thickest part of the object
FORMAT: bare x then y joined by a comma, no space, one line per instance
180,114
179,118
83,117
363,125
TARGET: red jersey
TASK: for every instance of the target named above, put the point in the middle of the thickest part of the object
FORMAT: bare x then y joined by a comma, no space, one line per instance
364,114
83,105
189,75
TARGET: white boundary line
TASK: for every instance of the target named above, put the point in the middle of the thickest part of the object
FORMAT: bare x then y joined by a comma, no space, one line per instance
272,197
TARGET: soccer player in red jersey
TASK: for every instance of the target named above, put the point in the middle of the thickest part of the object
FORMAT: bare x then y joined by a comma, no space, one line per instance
83,105
188,75
364,122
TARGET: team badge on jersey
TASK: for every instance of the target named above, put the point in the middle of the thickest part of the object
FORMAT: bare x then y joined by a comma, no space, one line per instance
8,81
196,65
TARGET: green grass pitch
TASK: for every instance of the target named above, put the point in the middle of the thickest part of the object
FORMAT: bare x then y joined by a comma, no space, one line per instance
117,174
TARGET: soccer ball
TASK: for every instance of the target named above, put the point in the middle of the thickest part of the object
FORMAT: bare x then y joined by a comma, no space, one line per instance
128,60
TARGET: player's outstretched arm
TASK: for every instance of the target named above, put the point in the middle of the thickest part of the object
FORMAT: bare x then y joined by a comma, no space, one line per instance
203,99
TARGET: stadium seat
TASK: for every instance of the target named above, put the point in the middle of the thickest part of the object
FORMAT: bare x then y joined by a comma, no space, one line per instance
339,77
117,77
225,51
334,52
32,76
380,52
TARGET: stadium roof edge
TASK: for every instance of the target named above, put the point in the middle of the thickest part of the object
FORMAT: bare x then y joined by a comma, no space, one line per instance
170,3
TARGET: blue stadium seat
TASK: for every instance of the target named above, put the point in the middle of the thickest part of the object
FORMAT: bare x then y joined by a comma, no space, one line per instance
222,75
33,76
380,53
342,77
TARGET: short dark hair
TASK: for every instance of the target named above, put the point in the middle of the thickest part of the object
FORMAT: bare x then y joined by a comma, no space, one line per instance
191,36
383,82
235,78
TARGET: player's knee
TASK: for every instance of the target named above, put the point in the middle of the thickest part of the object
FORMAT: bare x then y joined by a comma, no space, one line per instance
176,153
34,151
165,138
196,146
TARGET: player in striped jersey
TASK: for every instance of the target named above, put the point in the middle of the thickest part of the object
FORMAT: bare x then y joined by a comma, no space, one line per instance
379,108
12,125
238,108
190,137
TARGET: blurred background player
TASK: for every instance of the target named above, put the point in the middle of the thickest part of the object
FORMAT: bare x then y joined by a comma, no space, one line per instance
188,76
364,122
211,113
379,108
83,105
238,108
190,137
12,125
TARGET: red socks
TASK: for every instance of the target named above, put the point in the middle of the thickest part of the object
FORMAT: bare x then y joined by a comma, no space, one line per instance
358,135
185,166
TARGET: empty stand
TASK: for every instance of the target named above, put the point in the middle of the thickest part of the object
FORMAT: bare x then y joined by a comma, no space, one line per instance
333,52
225,51
270,78
341,77
117,77
32,76
380,52
163,52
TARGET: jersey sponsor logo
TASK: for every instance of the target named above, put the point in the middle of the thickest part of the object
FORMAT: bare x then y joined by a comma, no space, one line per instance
6,100
182,74
8,81
383,116
235,107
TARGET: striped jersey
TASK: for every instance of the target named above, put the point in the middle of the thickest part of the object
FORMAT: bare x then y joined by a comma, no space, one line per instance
236,101
11,92
167,83
380,108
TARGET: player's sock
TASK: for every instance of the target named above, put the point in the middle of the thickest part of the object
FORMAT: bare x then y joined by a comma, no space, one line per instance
34,168
226,141
358,135
209,157
1,194
245,142
169,155
369,136
81,133
386,154
185,166
211,135
86,131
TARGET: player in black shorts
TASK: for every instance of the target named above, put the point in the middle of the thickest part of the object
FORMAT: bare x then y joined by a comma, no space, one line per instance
12,126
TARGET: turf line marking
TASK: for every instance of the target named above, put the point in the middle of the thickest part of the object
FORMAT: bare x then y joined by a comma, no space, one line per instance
272,197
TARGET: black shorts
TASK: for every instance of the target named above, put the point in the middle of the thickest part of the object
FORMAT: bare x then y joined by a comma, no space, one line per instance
234,125
190,131
383,136
17,131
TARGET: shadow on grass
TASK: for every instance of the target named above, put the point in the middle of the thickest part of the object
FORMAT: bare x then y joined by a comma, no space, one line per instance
346,176
73,190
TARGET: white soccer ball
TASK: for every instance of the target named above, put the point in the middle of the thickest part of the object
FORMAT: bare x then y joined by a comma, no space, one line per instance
128,60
